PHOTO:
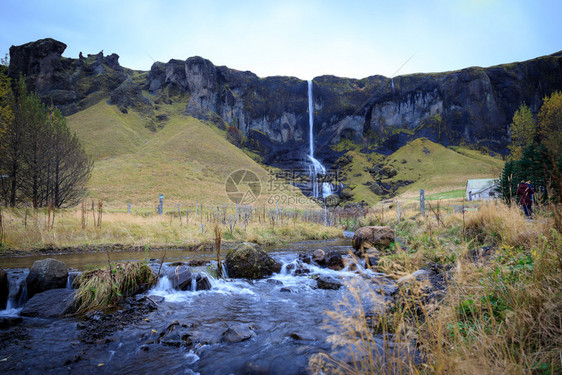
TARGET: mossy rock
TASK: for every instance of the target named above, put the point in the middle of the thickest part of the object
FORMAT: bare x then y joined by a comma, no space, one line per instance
246,261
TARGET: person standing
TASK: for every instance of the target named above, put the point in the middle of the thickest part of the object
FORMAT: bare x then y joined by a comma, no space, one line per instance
525,193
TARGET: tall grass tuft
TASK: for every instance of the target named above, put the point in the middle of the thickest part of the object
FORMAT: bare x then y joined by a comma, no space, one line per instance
102,288
501,224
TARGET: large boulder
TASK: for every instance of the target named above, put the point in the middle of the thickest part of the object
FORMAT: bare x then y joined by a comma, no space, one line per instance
379,237
50,304
180,277
246,261
46,274
4,289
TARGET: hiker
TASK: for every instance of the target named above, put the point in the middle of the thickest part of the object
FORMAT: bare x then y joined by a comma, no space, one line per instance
525,193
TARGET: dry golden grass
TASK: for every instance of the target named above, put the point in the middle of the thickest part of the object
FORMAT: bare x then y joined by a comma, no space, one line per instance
502,314
151,229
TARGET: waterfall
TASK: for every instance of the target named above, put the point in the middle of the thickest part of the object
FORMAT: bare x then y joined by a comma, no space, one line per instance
315,167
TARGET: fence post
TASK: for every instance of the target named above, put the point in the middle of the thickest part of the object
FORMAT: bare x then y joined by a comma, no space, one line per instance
422,202
398,209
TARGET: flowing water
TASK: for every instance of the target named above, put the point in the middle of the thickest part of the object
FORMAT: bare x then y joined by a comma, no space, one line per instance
316,168
285,313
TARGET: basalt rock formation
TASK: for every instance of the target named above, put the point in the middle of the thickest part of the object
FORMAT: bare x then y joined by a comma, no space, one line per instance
70,84
473,105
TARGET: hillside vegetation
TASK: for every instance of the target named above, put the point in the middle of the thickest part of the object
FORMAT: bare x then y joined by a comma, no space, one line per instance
185,159
421,164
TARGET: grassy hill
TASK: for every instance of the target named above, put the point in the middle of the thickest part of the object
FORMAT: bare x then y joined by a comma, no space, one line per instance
427,165
186,160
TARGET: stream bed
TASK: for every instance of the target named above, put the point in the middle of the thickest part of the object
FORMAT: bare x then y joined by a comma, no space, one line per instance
268,326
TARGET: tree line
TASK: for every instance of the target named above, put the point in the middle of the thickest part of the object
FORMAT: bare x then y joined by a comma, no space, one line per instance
42,162
535,151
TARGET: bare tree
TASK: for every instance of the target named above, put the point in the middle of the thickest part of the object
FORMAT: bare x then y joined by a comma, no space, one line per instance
36,146
69,166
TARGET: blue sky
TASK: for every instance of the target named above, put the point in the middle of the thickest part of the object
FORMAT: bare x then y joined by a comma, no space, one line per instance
304,38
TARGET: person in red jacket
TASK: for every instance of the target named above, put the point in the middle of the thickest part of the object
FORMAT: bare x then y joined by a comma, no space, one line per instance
525,193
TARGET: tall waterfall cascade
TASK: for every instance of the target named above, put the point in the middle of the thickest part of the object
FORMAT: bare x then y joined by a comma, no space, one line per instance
315,167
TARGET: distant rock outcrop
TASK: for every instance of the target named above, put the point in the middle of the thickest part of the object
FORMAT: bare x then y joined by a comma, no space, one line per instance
129,95
41,63
67,83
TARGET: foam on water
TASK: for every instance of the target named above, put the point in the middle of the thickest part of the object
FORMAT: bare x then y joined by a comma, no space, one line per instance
191,357
165,289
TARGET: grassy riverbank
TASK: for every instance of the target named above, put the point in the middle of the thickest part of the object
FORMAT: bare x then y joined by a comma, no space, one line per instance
29,230
502,310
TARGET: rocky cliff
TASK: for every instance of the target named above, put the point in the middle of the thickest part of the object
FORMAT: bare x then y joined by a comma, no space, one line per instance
473,105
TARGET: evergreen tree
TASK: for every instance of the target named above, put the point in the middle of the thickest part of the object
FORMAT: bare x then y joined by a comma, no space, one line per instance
507,186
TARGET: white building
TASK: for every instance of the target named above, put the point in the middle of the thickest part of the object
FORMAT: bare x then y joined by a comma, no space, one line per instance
481,189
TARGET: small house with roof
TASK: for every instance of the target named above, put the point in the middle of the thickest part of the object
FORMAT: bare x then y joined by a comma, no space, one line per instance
481,189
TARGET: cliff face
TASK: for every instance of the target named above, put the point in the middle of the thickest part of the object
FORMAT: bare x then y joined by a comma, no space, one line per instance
473,105
70,84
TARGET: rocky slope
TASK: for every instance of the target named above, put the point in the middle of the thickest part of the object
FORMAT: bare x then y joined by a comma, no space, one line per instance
473,105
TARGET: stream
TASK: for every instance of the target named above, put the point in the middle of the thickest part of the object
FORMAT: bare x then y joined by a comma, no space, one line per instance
282,315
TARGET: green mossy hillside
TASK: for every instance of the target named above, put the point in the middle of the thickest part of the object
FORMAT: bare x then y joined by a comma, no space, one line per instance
421,164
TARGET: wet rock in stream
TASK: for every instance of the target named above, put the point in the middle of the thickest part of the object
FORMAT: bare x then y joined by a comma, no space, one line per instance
52,303
176,334
237,333
180,276
328,282
98,325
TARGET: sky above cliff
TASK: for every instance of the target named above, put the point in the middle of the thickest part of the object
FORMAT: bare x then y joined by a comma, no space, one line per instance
303,38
